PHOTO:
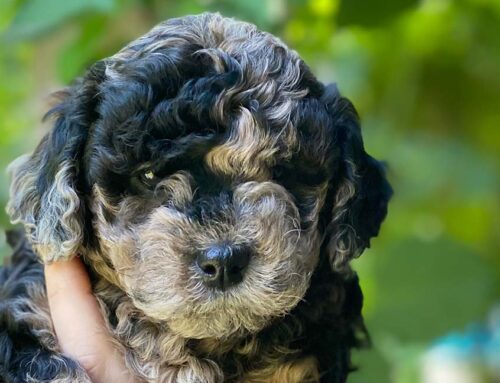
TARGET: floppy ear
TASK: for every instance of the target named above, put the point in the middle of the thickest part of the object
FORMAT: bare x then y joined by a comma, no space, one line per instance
360,192
46,186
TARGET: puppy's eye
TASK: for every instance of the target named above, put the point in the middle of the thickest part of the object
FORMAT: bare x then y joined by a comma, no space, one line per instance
149,175
148,178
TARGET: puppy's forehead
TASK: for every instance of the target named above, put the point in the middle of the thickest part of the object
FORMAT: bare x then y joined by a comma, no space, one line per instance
215,83
252,148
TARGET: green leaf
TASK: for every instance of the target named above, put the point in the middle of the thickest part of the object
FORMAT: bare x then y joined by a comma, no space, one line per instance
371,13
36,17
424,290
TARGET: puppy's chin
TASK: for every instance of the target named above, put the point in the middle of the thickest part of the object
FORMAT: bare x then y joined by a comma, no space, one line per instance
224,317
216,326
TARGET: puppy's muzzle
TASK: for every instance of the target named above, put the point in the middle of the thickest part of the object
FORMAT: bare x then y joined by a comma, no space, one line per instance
222,266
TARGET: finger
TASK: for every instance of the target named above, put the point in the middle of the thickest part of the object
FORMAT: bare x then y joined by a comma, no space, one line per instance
79,324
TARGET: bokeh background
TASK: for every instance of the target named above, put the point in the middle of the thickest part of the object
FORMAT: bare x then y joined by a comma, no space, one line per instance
424,76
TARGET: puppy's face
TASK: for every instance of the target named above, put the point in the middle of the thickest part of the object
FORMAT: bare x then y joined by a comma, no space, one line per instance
209,220
206,171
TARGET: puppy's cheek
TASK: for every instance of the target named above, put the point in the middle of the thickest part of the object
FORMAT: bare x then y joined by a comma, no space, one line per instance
267,215
114,258
153,293
264,206
161,275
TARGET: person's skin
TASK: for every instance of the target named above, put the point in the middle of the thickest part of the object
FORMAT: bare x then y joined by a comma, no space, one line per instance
79,325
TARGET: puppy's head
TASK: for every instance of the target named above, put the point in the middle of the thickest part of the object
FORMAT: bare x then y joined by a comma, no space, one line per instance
203,170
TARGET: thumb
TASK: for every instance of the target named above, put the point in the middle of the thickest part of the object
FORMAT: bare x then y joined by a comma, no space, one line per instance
79,324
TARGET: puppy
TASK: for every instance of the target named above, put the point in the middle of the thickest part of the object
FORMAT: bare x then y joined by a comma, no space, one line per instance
217,192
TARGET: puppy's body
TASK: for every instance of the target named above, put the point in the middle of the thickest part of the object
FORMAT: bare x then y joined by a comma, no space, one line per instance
217,192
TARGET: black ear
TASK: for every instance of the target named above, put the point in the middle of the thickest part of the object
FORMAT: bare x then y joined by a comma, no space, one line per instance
360,191
46,186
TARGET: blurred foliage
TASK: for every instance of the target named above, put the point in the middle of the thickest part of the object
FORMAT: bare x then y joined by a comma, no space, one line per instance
424,76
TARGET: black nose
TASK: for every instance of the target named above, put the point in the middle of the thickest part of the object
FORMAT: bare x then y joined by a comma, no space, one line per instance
222,266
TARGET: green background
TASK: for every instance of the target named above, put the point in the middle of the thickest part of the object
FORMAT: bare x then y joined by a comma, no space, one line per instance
424,76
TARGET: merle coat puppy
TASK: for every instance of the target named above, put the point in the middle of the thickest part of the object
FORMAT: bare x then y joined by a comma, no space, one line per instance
217,192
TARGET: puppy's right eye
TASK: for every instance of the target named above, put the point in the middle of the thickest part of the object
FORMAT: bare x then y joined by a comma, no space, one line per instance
149,175
148,178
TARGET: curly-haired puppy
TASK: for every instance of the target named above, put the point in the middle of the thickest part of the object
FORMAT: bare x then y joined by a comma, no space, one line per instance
217,192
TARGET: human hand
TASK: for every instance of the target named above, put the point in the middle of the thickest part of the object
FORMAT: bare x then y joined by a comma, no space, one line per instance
79,325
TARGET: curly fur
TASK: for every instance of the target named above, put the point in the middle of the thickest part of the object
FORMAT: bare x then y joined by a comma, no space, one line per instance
241,145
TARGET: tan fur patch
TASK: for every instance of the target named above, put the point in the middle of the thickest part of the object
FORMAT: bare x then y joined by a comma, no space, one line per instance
50,220
247,154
